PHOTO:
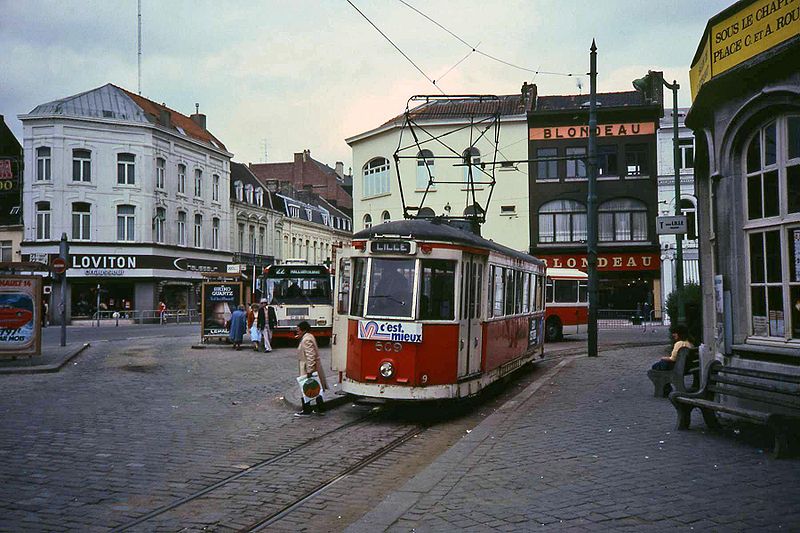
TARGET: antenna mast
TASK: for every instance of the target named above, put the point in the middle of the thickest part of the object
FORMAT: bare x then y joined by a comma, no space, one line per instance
140,46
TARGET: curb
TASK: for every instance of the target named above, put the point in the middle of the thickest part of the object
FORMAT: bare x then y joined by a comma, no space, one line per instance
44,369
292,399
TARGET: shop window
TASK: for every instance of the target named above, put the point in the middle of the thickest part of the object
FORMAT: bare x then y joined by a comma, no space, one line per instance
636,160
771,162
215,188
161,168
607,162
622,219
159,225
576,163
424,169
42,221
81,221
375,177
472,159
547,169
43,163
182,179
562,221
181,228
215,234
126,223
126,169
81,165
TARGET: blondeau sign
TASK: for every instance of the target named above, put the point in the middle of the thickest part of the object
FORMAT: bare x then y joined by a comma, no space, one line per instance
582,132
605,262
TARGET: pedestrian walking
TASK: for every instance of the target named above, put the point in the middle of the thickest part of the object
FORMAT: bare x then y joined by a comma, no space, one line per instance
309,362
680,334
252,327
238,325
264,326
45,310
162,312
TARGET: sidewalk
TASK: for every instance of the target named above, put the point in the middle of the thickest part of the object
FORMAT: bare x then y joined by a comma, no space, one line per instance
587,448
52,359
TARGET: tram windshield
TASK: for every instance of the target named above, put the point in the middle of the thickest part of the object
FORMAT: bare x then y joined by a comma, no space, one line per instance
391,288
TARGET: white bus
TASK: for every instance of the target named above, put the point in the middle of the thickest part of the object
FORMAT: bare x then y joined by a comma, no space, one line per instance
300,293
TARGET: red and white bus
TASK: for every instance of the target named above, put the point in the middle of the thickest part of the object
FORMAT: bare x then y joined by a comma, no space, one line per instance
566,303
428,311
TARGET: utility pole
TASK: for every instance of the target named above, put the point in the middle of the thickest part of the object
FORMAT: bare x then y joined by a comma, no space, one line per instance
676,159
63,253
591,223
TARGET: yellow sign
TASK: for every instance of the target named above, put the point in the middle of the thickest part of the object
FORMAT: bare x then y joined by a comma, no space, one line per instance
743,35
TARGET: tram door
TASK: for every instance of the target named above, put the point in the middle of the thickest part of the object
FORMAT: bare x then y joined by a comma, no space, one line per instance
471,333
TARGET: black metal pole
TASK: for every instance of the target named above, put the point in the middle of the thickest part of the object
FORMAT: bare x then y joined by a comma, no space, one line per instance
676,159
63,253
591,223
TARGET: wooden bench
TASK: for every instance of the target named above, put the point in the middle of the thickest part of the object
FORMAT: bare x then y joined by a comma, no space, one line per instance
766,398
666,381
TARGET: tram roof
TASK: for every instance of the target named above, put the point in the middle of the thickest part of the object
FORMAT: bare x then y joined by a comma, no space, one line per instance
439,230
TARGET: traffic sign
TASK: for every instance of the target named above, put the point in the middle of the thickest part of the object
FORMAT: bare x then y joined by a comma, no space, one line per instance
673,225
59,265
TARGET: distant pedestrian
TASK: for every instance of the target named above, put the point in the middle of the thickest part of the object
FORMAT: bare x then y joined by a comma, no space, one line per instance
162,312
252,327
309,362
264,325
680,334
45,310
238,327
646,311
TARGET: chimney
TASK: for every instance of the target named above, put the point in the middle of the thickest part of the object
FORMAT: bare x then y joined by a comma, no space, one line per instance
198,117
306,155
299,157
339,170
529,91
164,117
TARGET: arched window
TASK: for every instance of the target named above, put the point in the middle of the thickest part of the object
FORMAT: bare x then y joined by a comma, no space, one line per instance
182,228
198,231
198,183
182,178
385,217
622,219
771,165
562,221
259,196
215,233
248,193
472,158
161,169
367,221
238,190
424,169
160,225
81,221
376,177
215,188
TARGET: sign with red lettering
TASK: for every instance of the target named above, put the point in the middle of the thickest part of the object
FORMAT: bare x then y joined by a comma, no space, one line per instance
613,262
582,132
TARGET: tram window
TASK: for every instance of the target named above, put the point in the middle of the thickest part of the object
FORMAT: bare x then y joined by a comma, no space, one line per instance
518,291
391,288
509,291
437,290
473,270
583,291
526,292
549,291
464,275
343,287
566,291
476,308
497,310
359,284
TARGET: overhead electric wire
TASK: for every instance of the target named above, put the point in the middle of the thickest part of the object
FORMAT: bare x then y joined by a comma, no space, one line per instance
489,56
395,46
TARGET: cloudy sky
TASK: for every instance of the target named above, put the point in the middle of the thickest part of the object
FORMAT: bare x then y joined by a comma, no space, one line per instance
306,74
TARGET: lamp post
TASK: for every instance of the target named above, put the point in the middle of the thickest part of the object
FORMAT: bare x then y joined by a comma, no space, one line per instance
650,86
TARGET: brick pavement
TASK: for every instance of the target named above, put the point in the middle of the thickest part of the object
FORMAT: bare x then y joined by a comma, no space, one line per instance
592,450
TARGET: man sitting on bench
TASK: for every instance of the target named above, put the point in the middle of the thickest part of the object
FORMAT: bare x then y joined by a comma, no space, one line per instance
680,334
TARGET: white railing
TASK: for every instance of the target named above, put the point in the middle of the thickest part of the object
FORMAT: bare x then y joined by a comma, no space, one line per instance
179,316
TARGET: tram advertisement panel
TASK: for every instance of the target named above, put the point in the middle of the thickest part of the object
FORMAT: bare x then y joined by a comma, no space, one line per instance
384,330
220,299
20,315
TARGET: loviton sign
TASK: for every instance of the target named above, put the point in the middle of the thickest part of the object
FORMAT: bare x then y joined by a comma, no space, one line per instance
672,225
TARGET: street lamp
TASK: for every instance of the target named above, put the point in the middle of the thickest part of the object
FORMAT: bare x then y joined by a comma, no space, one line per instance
650,87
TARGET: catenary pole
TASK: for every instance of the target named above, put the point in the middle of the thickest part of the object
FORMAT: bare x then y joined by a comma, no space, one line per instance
63,253
676,159
591,246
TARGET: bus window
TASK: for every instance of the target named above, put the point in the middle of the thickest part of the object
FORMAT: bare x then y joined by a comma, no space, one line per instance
359,286
437,290
539,293
583,291
391,288
549,291
566,291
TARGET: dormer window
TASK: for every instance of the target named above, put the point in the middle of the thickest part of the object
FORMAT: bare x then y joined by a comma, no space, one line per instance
294,211
259,196
238,189
248,193
309,214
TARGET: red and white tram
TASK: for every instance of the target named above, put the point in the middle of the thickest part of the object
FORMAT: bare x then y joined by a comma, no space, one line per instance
428,311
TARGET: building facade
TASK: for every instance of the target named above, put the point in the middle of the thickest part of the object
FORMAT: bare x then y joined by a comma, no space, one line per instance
746,121
454,148
666,200
140,191
628,249
11,171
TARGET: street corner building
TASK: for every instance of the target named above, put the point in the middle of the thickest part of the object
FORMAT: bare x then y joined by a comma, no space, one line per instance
140,190
746,117
629,258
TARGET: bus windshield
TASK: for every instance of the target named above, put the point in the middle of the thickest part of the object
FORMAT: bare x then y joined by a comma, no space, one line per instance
300,290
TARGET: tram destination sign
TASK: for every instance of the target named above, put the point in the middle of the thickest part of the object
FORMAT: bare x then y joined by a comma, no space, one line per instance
393,246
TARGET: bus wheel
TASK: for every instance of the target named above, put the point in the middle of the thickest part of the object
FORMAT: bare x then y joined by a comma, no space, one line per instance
553,330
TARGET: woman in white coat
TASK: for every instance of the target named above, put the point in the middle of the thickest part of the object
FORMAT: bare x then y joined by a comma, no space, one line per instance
309,362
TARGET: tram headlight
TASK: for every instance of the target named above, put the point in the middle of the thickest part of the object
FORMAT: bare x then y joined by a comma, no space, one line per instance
386,369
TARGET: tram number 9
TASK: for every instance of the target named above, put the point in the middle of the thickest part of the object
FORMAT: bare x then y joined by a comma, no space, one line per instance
388,346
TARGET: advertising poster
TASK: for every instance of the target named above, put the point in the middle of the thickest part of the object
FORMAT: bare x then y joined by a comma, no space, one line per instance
20,318
220,299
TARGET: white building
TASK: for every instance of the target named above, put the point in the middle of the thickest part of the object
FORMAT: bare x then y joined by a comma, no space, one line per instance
376,195
666,200
140,190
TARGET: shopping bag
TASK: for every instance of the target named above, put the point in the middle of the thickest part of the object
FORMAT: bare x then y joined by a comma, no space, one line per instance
310,387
